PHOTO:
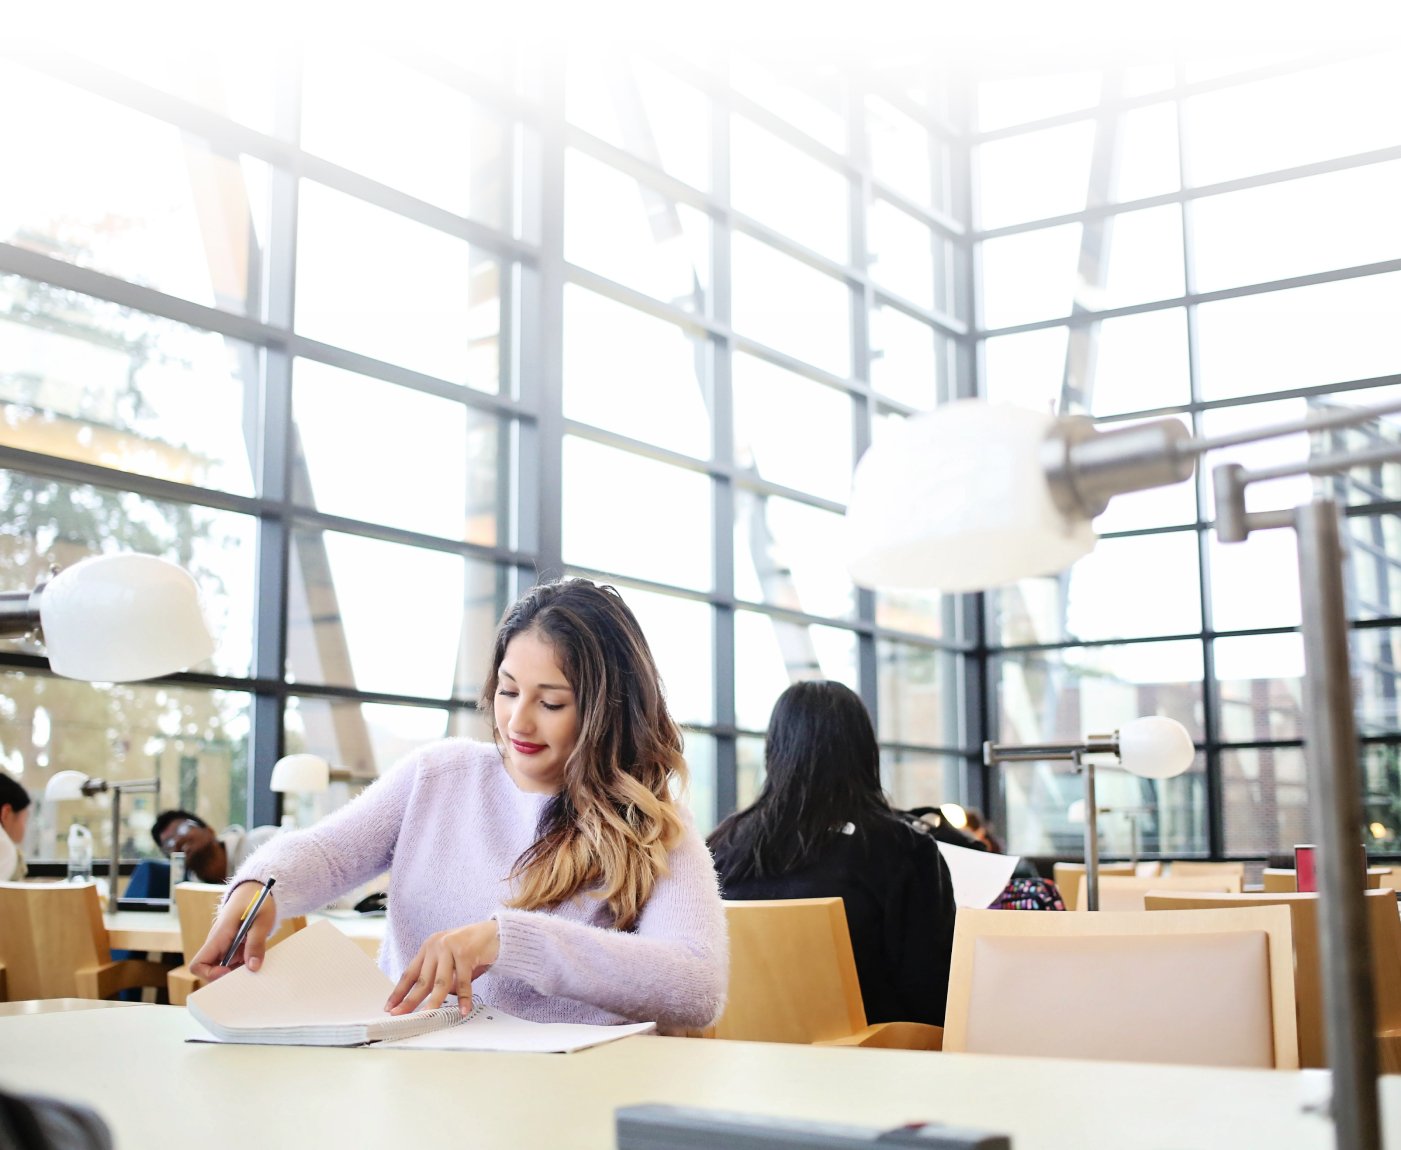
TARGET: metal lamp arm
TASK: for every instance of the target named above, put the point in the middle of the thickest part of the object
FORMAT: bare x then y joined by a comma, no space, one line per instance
1234,524
1086,467
19,612
994,753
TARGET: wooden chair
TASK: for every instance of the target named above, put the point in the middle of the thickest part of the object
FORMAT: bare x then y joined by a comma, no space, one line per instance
1384,926
1278,880
1125,892
1200,987
793,979
1195,868
1069,877
196,904
54,945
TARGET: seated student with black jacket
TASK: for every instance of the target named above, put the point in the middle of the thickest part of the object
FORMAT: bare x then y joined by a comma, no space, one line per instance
821,827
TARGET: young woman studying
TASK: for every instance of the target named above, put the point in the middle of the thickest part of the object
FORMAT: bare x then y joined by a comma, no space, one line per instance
821,826
552,872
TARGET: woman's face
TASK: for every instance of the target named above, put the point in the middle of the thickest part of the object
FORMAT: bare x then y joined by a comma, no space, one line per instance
537,715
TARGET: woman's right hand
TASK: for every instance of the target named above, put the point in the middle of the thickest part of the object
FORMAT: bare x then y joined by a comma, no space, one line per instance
207,962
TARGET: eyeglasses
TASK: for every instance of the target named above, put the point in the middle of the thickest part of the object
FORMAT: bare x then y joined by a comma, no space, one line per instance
174,833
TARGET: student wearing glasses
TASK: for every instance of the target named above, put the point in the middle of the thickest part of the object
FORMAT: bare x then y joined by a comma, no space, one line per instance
553,870
209,857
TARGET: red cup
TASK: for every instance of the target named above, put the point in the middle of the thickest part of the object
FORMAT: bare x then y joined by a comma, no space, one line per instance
1306,874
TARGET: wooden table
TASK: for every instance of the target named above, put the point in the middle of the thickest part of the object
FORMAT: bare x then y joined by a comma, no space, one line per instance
56,1005
152,1087
147,931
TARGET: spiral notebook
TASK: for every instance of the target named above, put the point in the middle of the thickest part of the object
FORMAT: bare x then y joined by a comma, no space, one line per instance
318,988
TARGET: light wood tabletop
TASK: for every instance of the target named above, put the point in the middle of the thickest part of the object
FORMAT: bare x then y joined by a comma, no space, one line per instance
57,1005
151,931
136,1069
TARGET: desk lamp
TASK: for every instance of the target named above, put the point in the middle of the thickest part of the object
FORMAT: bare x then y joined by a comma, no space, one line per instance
971,495
1151,747
113,618
300,775
67,785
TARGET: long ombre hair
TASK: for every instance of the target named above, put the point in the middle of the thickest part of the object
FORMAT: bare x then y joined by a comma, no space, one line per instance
610,827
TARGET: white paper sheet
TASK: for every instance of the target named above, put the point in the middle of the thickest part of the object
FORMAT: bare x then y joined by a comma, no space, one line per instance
978,876
492,1029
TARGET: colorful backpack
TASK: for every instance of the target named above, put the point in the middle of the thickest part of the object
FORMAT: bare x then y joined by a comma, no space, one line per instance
1029,894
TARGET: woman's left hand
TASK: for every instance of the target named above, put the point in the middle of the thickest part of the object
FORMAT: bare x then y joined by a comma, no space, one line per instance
446,963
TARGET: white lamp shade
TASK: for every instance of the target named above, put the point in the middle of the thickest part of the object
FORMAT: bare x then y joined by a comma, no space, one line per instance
956,499
1155,747
116,618
301,774
64,786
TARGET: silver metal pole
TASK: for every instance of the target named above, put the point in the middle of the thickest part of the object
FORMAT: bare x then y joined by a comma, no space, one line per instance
1091,835
1335,791
114,870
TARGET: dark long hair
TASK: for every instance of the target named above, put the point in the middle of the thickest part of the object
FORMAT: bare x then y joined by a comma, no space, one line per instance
822,769
12,794
610,827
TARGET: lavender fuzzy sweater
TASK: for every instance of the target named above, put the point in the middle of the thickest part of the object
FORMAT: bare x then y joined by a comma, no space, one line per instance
450,823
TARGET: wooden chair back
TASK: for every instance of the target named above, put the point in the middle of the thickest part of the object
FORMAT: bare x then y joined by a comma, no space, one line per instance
1196,868
1384,926
1070,876
53,944
793,979
1279,880
1125,892
1199,987
196,904
792,972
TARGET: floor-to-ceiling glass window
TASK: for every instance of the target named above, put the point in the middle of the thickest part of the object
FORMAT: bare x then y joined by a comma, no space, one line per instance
370,339
1219,244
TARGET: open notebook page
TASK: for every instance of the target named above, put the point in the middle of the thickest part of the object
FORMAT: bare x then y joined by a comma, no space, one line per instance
316,979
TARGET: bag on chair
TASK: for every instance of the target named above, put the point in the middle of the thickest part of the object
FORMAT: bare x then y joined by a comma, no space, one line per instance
1029,894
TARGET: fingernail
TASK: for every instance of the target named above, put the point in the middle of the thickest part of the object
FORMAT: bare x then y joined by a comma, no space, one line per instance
254,963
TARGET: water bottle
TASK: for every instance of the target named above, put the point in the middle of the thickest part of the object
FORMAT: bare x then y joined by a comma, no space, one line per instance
79,853
177,870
